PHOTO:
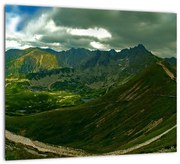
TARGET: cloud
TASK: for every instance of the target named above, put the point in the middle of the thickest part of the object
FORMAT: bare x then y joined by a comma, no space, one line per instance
99,33
155,30
12,22
63,28
98,45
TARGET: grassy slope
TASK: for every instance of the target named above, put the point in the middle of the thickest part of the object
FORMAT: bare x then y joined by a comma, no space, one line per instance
110,122
33,61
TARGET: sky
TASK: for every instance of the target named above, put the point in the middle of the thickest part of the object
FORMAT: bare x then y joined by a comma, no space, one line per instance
65,28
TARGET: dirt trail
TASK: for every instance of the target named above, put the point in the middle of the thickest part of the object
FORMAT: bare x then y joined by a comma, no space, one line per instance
43,147
142,144
70,152
168,72
40,61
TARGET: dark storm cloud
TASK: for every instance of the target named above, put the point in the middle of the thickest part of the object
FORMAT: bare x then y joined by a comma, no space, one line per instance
157,31
68,41
53,28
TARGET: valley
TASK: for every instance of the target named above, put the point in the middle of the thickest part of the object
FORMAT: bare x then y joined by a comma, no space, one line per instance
97,102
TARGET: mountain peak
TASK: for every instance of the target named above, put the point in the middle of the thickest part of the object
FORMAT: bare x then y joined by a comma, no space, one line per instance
141,46
112,51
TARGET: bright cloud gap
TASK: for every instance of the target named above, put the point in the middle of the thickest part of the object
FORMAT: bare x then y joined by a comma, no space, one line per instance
99,33
98,45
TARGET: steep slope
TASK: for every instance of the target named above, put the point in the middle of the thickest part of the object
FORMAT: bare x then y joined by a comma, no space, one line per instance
70,57
31,60
170,72
137,111
13,54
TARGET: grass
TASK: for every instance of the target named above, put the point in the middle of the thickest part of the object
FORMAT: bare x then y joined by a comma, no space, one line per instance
103,125
20,99
20,152
28,102
165,144
31,61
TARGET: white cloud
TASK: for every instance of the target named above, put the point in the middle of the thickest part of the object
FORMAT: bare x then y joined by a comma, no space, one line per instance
30,34
51,27
36,25
99,33
38,36
98,45
43,26
13,23
13,37
11,44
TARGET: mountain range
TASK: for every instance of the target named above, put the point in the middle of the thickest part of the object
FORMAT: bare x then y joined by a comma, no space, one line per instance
92,69
127,99
69,58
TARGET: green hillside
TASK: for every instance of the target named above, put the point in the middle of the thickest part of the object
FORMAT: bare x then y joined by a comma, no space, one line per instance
140,109
31,60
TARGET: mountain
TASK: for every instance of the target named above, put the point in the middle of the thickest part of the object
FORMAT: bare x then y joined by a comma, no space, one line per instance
84,57
13,54
131,114
29,61
101,102
70,57
172,61
119,65
92,70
